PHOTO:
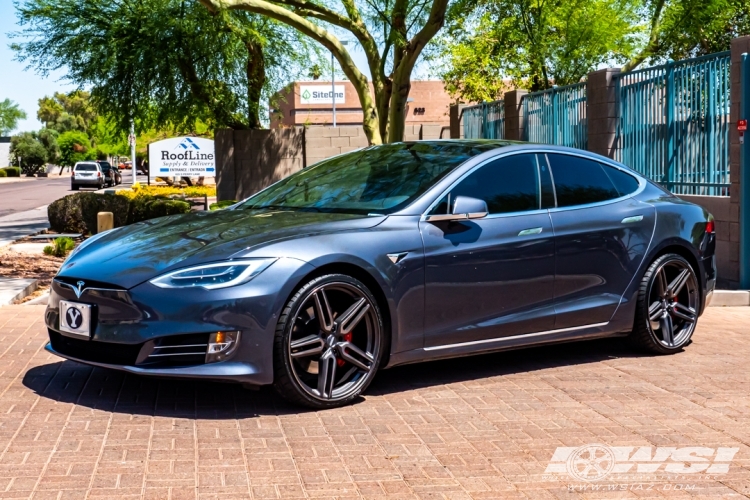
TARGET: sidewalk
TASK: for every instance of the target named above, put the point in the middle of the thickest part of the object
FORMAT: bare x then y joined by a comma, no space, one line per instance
18,225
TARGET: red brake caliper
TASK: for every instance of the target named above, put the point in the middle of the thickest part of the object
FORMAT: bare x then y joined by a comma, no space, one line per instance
347,338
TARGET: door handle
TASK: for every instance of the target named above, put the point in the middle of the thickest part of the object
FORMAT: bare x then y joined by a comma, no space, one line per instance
528,232
630,220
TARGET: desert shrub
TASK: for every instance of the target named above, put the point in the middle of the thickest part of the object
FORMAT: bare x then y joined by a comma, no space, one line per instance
77,213
222,204
12,171
60,247
144,207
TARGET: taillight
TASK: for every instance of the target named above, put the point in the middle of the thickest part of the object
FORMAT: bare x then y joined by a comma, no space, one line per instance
710,227
98,174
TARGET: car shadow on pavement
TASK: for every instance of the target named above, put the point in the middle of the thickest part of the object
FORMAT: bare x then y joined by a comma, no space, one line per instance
119,392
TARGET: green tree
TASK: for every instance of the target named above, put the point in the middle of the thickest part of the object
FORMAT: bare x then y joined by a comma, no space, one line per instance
63,112
392,34
167,63
10,114
679,29
27,150
48,138
74,147
492,46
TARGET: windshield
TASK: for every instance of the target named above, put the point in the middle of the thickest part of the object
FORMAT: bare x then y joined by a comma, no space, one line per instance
86,167
381,179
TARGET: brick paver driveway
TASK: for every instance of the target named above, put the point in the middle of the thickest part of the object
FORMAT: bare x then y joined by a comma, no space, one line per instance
481,427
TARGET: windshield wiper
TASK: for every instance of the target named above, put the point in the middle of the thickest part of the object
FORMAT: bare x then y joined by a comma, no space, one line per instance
282,207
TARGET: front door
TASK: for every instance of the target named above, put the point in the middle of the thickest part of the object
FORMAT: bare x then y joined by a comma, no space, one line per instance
492,277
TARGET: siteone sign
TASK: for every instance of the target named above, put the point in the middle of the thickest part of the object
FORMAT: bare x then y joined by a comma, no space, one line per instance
182,157
320,94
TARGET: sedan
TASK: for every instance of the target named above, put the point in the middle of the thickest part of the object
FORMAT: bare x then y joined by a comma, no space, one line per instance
389,255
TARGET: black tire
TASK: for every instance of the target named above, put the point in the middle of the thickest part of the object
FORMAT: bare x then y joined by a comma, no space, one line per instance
292,378
665,321
74,187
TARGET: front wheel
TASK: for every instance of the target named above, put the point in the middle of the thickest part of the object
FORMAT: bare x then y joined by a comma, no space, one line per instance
668,302
329,342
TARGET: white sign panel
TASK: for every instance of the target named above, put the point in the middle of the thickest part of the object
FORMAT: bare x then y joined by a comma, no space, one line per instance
182,157
321,94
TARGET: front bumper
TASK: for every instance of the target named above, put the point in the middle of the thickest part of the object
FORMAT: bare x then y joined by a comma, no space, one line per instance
127,324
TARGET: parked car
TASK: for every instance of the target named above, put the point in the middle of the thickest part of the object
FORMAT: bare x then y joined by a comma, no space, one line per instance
86,173
112,176
389,255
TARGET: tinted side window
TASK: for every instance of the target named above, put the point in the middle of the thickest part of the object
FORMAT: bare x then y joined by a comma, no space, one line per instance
625,183
507,185
579,181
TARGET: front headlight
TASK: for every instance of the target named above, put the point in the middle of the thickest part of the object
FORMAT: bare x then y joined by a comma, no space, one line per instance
211,276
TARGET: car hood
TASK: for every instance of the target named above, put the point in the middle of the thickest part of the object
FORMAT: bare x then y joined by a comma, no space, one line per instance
133,254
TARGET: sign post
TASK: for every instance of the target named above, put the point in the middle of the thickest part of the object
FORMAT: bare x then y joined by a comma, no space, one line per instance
131,140
182,157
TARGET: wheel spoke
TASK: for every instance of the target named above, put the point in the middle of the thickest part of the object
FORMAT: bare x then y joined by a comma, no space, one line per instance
352,316
655,311
667,329
684,312
354,355
661,281
327,374
676,285
323,311
308,346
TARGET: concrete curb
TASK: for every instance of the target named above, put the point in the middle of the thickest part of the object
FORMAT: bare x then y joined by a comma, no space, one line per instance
13,289
730,298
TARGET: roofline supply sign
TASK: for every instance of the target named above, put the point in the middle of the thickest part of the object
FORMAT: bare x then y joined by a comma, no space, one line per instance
182,157
321,94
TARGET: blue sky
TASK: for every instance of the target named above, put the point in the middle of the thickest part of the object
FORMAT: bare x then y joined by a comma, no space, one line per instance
22,86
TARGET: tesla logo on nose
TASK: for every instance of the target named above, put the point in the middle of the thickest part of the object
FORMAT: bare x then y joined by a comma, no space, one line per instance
79,290
74,317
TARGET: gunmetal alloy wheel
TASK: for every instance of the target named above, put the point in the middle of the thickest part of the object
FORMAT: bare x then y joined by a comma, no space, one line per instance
668,305
329,342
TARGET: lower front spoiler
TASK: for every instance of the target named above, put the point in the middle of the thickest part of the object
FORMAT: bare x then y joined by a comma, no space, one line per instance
231,371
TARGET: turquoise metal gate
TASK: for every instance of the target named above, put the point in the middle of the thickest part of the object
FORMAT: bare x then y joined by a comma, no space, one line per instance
557,116
485,120
674,124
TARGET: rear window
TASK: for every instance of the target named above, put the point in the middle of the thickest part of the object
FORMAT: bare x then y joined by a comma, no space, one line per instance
86,167
104,165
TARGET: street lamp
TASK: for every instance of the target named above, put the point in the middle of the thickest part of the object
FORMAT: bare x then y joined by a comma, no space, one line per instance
333,82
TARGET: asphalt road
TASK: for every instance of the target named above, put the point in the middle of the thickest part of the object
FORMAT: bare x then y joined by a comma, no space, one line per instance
27,195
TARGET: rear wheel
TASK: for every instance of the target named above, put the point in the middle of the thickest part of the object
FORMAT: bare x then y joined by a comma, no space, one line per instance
329,342
668,302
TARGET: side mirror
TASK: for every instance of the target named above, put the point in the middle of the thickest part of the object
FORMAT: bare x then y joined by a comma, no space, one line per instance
464,208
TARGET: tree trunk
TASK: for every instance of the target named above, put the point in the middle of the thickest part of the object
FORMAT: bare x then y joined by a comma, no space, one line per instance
397,111
256,78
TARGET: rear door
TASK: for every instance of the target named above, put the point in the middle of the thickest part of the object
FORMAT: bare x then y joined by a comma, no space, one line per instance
601,238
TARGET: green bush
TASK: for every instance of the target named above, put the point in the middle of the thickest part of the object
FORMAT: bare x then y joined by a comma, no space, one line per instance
77,213
3,174
61,247
221,204
12,171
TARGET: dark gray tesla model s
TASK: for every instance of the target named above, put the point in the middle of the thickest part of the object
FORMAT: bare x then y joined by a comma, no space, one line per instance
389,255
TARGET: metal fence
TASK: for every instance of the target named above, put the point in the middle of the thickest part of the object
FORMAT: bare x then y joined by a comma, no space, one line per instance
674,124
485,120
557,116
